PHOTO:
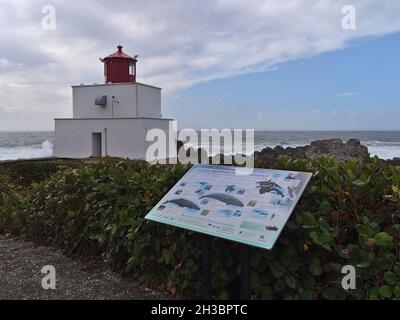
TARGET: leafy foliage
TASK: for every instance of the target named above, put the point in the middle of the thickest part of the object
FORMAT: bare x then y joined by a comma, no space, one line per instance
29,171
349,215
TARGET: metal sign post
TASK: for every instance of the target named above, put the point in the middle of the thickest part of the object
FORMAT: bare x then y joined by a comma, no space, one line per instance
245,262
206,266
206,269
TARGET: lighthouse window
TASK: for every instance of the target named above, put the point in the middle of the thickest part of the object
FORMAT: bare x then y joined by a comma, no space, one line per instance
132,69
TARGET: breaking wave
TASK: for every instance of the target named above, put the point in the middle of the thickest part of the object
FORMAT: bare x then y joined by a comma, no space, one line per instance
43,150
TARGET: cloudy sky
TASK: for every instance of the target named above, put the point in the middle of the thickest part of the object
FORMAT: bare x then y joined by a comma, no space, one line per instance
264,64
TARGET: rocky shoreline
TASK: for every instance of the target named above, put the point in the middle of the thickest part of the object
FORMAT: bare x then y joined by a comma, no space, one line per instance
342,151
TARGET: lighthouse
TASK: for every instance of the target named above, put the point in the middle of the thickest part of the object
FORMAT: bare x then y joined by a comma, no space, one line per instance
119,67
111,119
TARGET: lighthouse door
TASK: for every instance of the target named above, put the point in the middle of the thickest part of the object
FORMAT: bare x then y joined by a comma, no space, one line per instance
96,145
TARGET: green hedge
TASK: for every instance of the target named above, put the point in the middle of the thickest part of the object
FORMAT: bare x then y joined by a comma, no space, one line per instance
25,172
349,215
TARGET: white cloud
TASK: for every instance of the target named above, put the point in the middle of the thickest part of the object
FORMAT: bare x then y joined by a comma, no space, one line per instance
6,64
26,119
346,94
180,42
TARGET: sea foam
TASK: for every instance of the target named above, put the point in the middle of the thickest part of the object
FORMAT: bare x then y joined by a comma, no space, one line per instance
43,150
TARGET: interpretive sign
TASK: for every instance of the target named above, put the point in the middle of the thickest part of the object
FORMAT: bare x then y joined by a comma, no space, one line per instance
216,200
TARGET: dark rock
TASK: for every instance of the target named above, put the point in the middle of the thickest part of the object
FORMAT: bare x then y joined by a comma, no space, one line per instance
179,145
352,149
394,161
342,151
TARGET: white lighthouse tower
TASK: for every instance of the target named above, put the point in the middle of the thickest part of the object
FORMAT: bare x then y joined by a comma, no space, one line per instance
111,119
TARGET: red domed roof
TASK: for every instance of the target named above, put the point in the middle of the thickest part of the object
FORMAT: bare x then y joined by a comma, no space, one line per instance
119,54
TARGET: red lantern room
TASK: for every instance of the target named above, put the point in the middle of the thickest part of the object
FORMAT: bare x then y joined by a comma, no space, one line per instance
119,67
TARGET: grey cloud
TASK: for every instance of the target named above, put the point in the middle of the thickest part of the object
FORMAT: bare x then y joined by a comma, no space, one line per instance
27,120
180,42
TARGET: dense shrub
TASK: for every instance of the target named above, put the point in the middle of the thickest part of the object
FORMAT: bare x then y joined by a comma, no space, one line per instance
349,215
10,206
29,171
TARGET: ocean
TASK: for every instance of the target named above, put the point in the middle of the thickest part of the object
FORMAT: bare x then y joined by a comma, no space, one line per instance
25,145
384,144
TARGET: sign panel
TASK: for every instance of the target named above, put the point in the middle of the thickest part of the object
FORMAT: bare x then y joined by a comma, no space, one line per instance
216,200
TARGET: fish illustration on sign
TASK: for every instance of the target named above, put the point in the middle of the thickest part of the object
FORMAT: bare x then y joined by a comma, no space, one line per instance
202,187
226,198
183,203
271,228
291,192
291,176
230,188
270,187
230,213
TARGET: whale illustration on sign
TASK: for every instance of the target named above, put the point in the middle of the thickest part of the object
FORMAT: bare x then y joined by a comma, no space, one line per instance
183,203
270,187
226,198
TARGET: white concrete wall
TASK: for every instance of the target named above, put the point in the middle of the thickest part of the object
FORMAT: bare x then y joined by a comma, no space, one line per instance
125,138
149,102
135,100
